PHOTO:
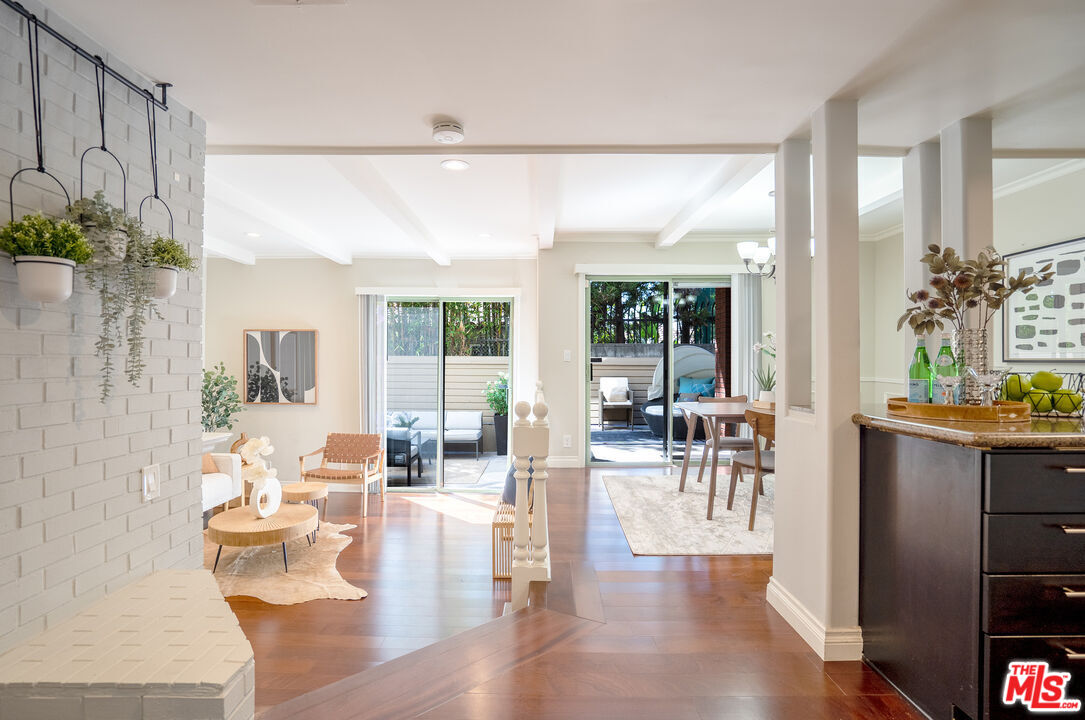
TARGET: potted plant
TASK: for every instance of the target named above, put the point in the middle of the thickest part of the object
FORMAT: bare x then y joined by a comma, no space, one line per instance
765,374
45,251
962,288
116,271
168,258
220,399
497,397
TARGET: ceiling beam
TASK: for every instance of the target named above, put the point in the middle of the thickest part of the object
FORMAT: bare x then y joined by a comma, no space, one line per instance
221,248
232,198
543,184
735,172
366,179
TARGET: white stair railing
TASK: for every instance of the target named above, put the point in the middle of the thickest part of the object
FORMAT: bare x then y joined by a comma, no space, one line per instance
530,541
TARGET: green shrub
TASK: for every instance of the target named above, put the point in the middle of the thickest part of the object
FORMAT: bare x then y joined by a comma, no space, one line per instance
220,399
42,236
167,252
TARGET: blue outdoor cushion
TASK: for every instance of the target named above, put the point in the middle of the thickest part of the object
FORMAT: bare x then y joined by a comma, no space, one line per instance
701,386
509,494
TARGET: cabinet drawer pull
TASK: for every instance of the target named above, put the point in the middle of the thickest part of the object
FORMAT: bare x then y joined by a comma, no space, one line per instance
1071,593
1075,470
1072,654
1073,529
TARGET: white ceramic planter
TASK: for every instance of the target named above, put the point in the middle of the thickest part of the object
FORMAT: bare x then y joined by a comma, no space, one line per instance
767,396
165,282
44,279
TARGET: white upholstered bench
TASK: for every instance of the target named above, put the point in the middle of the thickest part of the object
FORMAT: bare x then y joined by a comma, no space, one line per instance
166,646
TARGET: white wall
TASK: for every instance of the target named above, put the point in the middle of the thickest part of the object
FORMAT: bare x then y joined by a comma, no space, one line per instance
72,524
320,294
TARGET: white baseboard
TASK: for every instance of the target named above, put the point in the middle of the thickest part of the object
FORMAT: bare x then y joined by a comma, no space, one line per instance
829,643
565,461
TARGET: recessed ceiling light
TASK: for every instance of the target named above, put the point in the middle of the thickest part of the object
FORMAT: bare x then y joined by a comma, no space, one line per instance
455,164
772,193
484,236
252,234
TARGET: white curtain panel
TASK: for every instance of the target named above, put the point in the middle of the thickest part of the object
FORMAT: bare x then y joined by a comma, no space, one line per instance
373,317
745,331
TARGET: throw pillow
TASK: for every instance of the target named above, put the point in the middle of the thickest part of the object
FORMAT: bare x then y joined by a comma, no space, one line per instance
509,493
209,465
701,386
689,397
617,395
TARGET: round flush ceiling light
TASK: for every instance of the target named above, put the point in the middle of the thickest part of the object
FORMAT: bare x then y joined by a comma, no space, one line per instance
252,234
455,164
448,133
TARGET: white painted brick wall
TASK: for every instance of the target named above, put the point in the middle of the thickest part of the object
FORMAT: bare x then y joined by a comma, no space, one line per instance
72,524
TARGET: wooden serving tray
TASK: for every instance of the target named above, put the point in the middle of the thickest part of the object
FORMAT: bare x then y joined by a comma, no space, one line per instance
1001,411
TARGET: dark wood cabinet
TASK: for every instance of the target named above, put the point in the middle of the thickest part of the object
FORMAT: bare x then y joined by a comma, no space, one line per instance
970,559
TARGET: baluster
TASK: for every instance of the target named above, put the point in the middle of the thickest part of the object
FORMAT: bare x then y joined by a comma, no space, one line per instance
540,536
520,536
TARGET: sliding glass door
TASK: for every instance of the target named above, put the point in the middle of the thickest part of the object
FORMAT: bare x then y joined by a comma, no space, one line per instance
652,341
447,371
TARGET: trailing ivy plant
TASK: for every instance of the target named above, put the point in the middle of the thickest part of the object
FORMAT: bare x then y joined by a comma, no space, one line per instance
40,236
117,272
220,399
169,253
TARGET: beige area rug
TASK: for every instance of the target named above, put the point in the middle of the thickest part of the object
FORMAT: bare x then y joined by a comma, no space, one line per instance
659,520
258,571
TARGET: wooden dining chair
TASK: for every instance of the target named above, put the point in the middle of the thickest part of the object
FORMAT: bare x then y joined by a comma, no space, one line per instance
732,443
760,461
350,449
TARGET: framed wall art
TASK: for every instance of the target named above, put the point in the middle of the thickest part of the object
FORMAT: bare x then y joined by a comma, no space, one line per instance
280,367
1047,323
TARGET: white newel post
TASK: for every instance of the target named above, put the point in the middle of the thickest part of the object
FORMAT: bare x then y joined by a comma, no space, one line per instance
531,551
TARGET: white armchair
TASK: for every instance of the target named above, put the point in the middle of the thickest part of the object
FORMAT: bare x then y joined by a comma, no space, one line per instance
615,394
223,486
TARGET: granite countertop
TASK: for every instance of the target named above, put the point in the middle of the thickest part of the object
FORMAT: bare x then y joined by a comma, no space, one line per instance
1037,433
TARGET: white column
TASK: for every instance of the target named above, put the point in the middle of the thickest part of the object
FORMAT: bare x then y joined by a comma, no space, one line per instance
793,273
922,210
815,582
967,186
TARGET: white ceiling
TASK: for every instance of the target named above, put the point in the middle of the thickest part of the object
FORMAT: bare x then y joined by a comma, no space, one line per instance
607,72
344,207
582,118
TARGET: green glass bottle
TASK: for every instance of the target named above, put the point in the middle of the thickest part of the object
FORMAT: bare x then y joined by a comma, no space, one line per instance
945,365
919,374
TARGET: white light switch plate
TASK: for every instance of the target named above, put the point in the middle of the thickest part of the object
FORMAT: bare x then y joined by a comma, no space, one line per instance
152,487
568,356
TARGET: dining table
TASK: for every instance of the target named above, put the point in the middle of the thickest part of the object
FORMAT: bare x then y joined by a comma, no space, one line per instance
715,415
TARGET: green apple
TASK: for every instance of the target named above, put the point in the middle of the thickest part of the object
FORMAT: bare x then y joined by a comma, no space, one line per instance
1066,401
1040,401
1016,387
1045,380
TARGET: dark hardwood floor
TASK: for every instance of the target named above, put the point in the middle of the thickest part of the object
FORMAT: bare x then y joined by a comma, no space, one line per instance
612,636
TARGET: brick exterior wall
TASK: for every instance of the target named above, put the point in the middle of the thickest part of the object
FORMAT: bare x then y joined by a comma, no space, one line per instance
72,523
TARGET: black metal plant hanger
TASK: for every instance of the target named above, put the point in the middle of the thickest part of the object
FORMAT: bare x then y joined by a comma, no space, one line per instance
152,134
99,86
35,92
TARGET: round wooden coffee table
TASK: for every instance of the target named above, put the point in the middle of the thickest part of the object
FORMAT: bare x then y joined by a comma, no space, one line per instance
240,527
307,492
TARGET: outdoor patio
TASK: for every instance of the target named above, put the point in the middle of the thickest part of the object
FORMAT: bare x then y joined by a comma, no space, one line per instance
639,445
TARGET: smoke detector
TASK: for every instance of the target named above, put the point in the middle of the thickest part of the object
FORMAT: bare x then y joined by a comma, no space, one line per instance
448,133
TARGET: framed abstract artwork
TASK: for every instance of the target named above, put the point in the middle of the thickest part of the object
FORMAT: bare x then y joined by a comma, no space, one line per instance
280,367
1047,323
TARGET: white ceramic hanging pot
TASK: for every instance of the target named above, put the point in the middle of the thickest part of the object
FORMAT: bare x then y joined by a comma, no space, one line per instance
265,500
165,282
44,279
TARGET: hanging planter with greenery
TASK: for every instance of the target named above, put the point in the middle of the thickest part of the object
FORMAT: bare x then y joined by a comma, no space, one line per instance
168,259
116,272
45,251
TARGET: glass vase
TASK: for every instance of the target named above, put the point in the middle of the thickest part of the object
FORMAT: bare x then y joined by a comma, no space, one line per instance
970,349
